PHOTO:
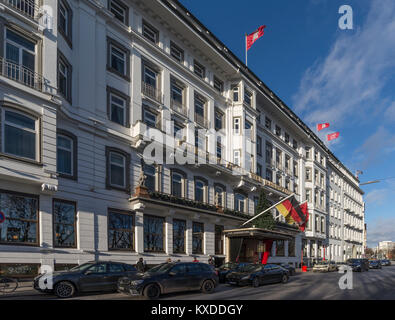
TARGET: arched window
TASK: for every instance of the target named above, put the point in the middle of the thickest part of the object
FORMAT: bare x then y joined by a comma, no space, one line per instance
150,173
219,195
178,183
199,190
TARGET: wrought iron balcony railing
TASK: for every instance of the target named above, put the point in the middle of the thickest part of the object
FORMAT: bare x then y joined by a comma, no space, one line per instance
28,8
179,107
21,74
151,92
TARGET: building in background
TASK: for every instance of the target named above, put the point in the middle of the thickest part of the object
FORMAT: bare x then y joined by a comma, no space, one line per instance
85,84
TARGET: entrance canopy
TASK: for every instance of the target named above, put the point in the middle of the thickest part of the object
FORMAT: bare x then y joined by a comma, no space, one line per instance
259,234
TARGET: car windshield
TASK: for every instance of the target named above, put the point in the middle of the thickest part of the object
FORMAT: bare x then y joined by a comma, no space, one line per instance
228,265
164,267
249,268
352,261
82,267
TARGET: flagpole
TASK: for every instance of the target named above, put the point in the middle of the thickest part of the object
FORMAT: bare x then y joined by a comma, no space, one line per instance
246,46
273,206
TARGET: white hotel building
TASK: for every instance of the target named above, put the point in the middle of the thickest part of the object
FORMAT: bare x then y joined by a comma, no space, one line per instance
82,80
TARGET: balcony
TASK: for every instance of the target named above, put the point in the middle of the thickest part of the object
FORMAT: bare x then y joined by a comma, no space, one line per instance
179,107
151,92
21,74
199,119
27,7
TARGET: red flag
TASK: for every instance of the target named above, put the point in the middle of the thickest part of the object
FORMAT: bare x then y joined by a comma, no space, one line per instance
254,36
333,136
304,209
321,126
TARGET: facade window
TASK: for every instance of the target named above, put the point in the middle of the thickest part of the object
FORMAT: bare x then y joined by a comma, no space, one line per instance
259,146
150,33
322,224
118,59
64,77
248,97
296,188
21,54
20,134
150,118
179,228
259,170
218,120
294,144
280,248
199,70
150,76
317,223
219,240
66,154
197,237
308,152
177,96
278,179
200,190
177,184
278,131
219,148
286,137
218,84
235,92
308,195
268,123
236,157
296,169
219,196
150,181
278,158
308,174
176,52
249,130
118,106
269,175
119,10
200,117
240,202
236,125
287,184
21,219
65,16
154,233
120,230
118,169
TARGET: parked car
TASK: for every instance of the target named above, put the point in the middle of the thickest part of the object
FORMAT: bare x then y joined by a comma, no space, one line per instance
257,274
359,265
324,266
375,264
290,268
87,277
170,278
228,267
385,262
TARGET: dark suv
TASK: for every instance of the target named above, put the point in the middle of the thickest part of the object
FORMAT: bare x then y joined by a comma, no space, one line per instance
87,277
169,278
359,265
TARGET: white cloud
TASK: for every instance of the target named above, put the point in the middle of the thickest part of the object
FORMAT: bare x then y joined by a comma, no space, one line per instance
390,112
381,230
346,85
376,197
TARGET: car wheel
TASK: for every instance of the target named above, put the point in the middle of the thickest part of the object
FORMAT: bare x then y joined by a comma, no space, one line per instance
208,286
152,291
255,282
64,289
284,278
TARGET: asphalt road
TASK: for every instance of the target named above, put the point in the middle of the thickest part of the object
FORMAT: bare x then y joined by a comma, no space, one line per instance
372,285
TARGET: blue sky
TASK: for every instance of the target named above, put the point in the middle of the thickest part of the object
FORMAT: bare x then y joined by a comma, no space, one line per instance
325,74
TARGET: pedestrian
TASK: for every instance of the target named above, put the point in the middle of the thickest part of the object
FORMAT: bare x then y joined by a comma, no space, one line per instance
195,259
211,261
168,260
140,265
